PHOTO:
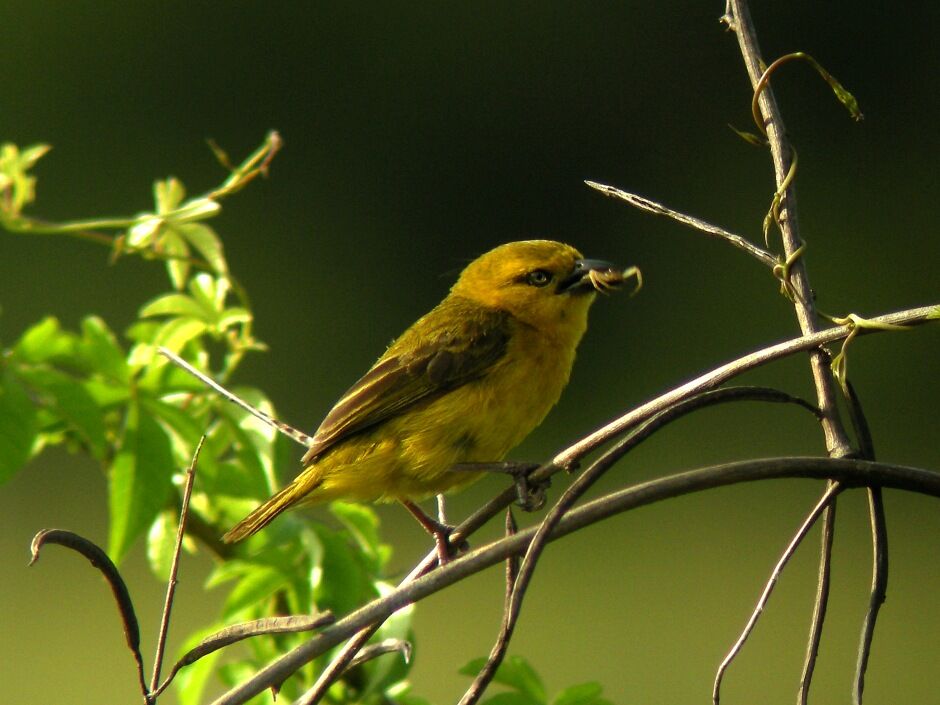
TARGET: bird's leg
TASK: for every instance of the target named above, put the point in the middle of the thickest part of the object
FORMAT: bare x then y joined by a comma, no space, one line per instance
530,494
439,530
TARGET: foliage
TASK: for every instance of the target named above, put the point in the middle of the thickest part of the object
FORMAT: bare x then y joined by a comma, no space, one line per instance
122,404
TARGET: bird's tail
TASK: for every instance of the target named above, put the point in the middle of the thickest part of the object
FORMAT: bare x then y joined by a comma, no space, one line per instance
267,512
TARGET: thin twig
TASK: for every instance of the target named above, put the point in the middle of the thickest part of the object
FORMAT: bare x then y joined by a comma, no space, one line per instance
338,665
174,571
386,646
288,430
849,472
832,490
879,587
742,243
488,672
821,602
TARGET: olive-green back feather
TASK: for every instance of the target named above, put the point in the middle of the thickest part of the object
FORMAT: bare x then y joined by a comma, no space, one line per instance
453,344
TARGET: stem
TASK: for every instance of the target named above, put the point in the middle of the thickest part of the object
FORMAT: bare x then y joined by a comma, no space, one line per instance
837,441
174,570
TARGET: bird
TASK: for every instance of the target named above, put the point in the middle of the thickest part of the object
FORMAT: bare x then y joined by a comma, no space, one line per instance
465,384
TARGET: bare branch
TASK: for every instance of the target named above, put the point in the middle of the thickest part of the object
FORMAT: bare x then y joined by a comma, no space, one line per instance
879,587
742,243
832,490
288,430
174,569
488,672
821,602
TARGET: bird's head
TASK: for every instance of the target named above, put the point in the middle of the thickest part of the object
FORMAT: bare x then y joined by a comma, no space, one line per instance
545,284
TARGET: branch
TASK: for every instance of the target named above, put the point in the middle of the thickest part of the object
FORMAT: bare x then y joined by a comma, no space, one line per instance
837,442
821,602
850,472
742,243
174,570
879,587
833,489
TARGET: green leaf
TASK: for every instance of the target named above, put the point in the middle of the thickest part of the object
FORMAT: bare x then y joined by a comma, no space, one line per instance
141,480
161,543
144,229
514,672
581,694
258,584
196,209
18,427
344,583
233,316
362,523
177,305
208,244
14,168
45,341
67,400
177,264
205,289
99,352
168,194
175,333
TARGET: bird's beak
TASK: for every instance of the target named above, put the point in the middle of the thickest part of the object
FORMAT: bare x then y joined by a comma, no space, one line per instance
581,279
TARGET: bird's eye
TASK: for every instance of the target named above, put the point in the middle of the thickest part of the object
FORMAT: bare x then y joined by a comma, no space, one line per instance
538,277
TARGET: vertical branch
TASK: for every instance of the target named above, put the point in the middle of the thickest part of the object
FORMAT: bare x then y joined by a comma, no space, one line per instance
174,571
837,442
879,587
488,672
821,603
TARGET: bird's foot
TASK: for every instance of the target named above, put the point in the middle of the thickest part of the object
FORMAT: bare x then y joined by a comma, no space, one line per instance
530,494
441,532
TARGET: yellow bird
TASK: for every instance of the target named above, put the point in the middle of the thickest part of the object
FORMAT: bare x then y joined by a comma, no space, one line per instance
465,384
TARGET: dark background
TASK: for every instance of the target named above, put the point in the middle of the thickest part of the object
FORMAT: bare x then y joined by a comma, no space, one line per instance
417,137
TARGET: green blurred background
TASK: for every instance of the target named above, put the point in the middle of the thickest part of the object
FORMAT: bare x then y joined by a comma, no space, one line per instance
418,136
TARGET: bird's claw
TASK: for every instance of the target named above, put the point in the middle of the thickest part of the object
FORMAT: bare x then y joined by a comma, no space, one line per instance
530,494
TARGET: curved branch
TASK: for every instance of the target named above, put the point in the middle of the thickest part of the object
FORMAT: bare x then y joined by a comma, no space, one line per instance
850,472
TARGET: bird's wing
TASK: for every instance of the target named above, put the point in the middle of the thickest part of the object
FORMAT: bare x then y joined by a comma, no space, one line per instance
444,350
